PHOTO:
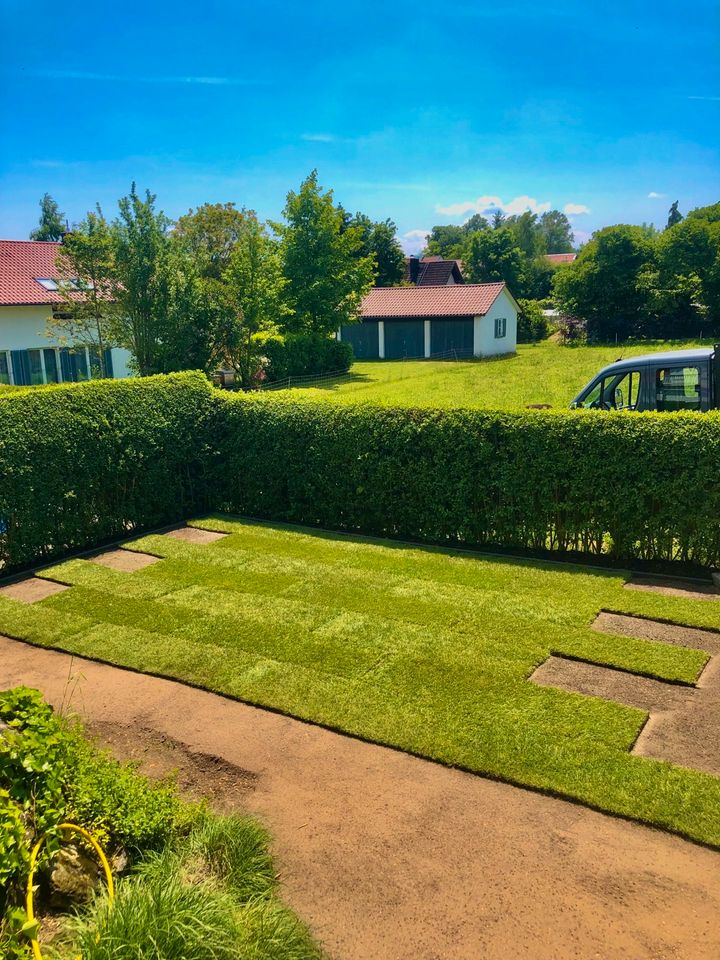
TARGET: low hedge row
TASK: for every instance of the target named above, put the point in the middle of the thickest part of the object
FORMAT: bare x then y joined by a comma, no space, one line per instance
83,463
89,462
636,486
302,355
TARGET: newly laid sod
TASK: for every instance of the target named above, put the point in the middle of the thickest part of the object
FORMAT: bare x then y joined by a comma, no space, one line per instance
540,373
424,649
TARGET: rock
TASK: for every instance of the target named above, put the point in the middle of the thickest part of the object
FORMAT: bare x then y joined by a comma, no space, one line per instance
75,876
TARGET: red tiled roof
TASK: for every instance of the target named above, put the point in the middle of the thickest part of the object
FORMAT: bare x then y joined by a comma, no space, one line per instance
21,263
561,257
456,300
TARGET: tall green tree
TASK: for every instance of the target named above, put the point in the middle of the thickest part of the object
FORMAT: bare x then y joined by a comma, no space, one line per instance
498,219
604,287
476,222
379,241
86,268
526,228
556,231
210,233
492,255
710,214
52,223
674,215
140,282
446,241
255,283
326,277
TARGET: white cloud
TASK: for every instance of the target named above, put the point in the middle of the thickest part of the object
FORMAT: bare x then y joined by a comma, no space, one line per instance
414,241
575,209
319,137
489,204
581,237
713,99
656,196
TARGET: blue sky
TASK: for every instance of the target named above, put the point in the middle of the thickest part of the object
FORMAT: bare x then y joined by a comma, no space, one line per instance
419,112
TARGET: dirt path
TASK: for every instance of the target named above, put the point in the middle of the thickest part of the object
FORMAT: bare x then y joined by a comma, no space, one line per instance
388,857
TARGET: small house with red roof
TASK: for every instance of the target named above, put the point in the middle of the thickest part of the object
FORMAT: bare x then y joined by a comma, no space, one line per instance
29,291
424,322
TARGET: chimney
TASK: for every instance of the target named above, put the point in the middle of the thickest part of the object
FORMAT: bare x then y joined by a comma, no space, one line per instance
413,269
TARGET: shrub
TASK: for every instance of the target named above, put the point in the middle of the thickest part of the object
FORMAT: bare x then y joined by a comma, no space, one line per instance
303,355
83,463
641,485
532,322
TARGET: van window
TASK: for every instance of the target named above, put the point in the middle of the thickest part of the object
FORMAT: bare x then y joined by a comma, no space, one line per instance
677,388
616,391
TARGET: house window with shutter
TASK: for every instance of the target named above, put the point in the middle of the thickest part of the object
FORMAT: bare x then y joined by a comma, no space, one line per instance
500,327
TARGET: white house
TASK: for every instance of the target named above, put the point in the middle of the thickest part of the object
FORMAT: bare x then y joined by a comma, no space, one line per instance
28,291
456,320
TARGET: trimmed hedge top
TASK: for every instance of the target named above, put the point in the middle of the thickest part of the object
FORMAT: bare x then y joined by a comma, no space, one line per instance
86,463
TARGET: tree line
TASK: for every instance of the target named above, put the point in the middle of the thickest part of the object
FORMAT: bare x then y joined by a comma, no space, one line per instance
631,281
202,291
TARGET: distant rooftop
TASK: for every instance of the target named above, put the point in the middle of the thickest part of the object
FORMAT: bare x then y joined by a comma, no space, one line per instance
28,273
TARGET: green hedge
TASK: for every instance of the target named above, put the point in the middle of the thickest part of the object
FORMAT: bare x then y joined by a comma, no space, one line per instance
87,462
637,486
303,355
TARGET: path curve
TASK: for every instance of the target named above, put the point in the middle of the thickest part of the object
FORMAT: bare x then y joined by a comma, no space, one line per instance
388,857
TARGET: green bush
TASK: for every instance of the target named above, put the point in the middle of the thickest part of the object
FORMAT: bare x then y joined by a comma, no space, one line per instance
532,323
637,486
302,355
83,463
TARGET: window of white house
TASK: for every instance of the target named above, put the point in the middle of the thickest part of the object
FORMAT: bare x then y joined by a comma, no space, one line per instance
500,327
57,284
4,367
47,283
36,369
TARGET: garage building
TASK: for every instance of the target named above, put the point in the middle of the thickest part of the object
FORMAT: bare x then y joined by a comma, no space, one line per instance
460,320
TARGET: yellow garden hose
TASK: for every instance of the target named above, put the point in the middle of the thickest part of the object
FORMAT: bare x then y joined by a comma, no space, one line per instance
72,828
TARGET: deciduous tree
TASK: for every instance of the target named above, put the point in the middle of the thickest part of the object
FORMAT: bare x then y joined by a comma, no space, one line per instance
52,223
326,278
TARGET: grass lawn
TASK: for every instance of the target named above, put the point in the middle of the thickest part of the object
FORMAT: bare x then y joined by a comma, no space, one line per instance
540,373
425,649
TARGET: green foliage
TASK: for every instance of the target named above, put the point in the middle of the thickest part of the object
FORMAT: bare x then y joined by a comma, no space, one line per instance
302,355
170,910
326,277
446,241
556,232
209,235
602,286
86,462
492,255
379,242
86,260
52,223
141,244
710,214
33,755
113,801
532,322
235,850
549,481
255,285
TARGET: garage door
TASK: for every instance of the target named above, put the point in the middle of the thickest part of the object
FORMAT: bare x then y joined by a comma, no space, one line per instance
404,338
451,337
363,337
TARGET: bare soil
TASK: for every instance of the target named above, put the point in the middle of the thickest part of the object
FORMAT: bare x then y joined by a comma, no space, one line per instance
626,626
195,535
388,857
32,589
684,721
690,589
126,561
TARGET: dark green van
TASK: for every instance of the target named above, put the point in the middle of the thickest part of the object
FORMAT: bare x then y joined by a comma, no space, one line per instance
675,380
